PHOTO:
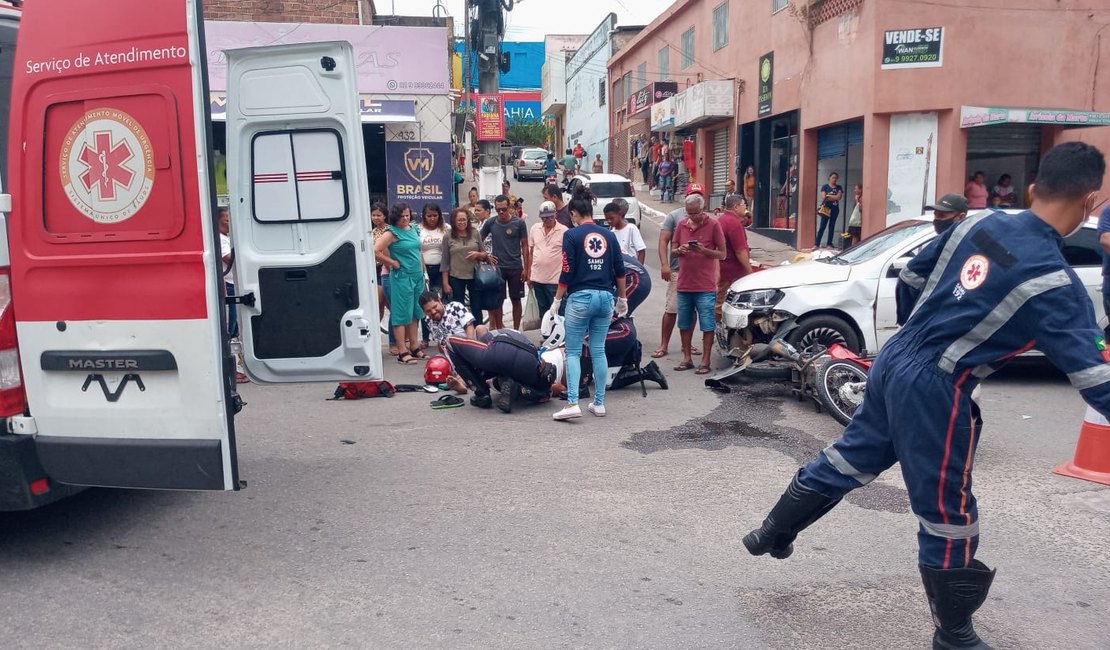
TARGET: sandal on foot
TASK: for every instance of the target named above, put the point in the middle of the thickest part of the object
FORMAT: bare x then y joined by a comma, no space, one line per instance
658,354
394,350
406,359
702,370
685,365
419,354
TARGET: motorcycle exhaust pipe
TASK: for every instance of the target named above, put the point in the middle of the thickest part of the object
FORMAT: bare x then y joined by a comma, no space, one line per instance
785,350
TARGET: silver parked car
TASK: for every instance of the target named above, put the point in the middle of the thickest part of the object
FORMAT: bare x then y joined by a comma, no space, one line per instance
530,164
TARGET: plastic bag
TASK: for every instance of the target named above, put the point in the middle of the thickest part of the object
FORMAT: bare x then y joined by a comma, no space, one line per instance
531,318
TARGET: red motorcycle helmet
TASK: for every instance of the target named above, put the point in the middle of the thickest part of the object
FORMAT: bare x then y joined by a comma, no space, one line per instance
436,370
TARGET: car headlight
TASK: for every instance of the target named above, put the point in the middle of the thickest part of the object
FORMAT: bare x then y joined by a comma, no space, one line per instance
760,299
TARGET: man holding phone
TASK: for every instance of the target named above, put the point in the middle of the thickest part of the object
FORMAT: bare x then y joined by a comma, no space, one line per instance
700,246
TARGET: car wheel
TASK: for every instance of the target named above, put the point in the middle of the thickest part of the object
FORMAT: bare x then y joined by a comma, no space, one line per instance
823,329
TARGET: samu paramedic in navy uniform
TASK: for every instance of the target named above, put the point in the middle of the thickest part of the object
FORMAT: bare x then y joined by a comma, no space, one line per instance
986,290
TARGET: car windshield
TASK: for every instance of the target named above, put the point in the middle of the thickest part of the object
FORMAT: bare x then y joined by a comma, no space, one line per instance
612,190
535,155
880,242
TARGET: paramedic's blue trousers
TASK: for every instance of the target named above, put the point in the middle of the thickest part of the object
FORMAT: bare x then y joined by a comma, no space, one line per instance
915,414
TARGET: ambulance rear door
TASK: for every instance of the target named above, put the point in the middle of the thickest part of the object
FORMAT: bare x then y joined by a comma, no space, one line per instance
115,260
300,215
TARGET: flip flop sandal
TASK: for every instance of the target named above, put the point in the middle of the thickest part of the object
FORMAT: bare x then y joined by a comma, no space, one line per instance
414,388
658,354
406,359
685,365
419,354
702,370
446,402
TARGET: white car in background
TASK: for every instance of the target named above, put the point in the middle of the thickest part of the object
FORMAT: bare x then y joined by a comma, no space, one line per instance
849,298
606,187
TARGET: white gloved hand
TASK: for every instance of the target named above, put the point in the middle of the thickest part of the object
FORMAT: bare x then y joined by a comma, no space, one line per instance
555,304
622,307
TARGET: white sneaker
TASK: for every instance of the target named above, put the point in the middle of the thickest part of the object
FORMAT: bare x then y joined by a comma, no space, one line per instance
596,409
568,413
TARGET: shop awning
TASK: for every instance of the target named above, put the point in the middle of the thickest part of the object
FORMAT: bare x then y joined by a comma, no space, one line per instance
973,116
373,111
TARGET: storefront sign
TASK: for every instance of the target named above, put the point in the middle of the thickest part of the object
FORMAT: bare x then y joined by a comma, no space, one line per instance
971,116
490,118
371,110
662,114
418,173
705,102
521,107
913,48
389,59
649,95
766,82
592,45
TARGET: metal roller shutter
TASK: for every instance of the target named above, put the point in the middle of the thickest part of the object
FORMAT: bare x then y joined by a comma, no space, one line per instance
720,159
1003,140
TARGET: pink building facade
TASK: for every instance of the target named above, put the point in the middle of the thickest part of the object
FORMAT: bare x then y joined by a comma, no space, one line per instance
907,99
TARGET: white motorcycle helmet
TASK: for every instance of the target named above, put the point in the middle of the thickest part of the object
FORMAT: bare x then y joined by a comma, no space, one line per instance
557,359
553,331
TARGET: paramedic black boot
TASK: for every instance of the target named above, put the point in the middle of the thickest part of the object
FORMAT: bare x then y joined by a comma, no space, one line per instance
505,397
627,376
798,507
954,595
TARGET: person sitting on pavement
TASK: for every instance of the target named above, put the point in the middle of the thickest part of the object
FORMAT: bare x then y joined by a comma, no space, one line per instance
445,320
505,355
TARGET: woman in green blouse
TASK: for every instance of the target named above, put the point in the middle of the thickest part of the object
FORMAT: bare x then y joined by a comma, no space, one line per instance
399,250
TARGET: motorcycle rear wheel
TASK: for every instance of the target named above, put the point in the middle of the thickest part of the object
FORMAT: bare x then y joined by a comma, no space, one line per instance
833,374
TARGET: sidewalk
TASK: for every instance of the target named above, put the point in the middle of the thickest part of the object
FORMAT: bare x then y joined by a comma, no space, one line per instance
764,249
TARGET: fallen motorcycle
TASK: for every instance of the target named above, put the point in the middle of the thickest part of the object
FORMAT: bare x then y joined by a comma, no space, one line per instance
841,382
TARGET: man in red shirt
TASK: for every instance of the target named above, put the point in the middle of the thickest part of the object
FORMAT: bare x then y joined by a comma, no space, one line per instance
689,159
737,262
700,247
656,158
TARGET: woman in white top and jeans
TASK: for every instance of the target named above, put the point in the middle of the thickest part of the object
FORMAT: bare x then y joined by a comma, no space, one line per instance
432,231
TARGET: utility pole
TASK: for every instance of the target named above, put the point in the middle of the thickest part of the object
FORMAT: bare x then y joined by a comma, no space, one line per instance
491,27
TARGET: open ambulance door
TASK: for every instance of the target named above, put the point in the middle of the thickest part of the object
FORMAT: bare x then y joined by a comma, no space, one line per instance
115,260
300,215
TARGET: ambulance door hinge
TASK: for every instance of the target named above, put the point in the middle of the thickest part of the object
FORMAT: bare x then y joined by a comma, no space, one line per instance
22,425
245,299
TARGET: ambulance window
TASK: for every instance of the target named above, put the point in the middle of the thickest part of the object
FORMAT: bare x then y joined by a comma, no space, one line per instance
298,176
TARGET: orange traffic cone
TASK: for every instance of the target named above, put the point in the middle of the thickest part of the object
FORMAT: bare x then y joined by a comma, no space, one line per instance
1092,452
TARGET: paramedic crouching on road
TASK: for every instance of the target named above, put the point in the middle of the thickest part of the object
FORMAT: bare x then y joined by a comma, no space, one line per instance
984,291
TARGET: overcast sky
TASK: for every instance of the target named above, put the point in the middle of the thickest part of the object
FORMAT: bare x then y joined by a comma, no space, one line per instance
530,20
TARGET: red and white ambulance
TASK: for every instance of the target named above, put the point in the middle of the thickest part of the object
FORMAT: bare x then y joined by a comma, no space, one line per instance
115,368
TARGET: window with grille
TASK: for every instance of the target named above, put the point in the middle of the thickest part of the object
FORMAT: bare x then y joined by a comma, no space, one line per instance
720,26
601,91
664,63
777,5
687,48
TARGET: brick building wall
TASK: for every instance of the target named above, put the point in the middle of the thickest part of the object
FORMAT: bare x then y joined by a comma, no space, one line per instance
342,12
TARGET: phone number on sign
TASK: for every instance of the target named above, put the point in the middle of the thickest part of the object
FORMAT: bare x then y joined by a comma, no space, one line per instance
912,58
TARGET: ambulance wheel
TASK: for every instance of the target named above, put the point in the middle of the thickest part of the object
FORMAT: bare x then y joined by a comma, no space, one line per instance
823,330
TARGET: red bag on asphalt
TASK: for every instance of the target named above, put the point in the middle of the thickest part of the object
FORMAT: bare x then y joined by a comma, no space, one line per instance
363,389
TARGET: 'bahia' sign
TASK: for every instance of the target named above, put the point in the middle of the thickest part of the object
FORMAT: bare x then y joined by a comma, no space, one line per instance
913,48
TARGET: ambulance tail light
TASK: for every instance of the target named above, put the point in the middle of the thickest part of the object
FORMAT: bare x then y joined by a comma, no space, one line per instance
12,398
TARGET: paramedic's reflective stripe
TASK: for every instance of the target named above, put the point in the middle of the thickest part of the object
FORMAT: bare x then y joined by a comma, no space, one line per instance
1089,378
844,467
950,531
911,278
958,234
1000,316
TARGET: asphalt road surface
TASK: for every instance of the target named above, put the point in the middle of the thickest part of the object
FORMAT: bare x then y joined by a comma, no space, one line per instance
384,524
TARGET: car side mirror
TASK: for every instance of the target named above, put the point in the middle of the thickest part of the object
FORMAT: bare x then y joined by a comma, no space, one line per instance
897,266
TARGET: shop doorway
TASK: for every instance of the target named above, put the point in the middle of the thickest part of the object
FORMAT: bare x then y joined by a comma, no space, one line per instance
840,151
783,195
771,147
1005,149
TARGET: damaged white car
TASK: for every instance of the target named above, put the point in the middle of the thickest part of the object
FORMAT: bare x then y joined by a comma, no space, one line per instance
849,298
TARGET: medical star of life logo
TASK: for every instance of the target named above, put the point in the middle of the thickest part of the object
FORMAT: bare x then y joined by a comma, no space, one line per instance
107,165
974,272
595,245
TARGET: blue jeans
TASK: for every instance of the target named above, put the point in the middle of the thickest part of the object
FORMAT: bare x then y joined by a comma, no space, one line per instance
701,303
587,311
665,185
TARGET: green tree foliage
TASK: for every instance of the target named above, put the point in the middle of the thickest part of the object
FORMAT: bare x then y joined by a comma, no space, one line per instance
533,133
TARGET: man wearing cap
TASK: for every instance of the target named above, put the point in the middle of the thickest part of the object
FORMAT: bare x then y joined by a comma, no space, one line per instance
948,211
546,242
552,193
668,265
